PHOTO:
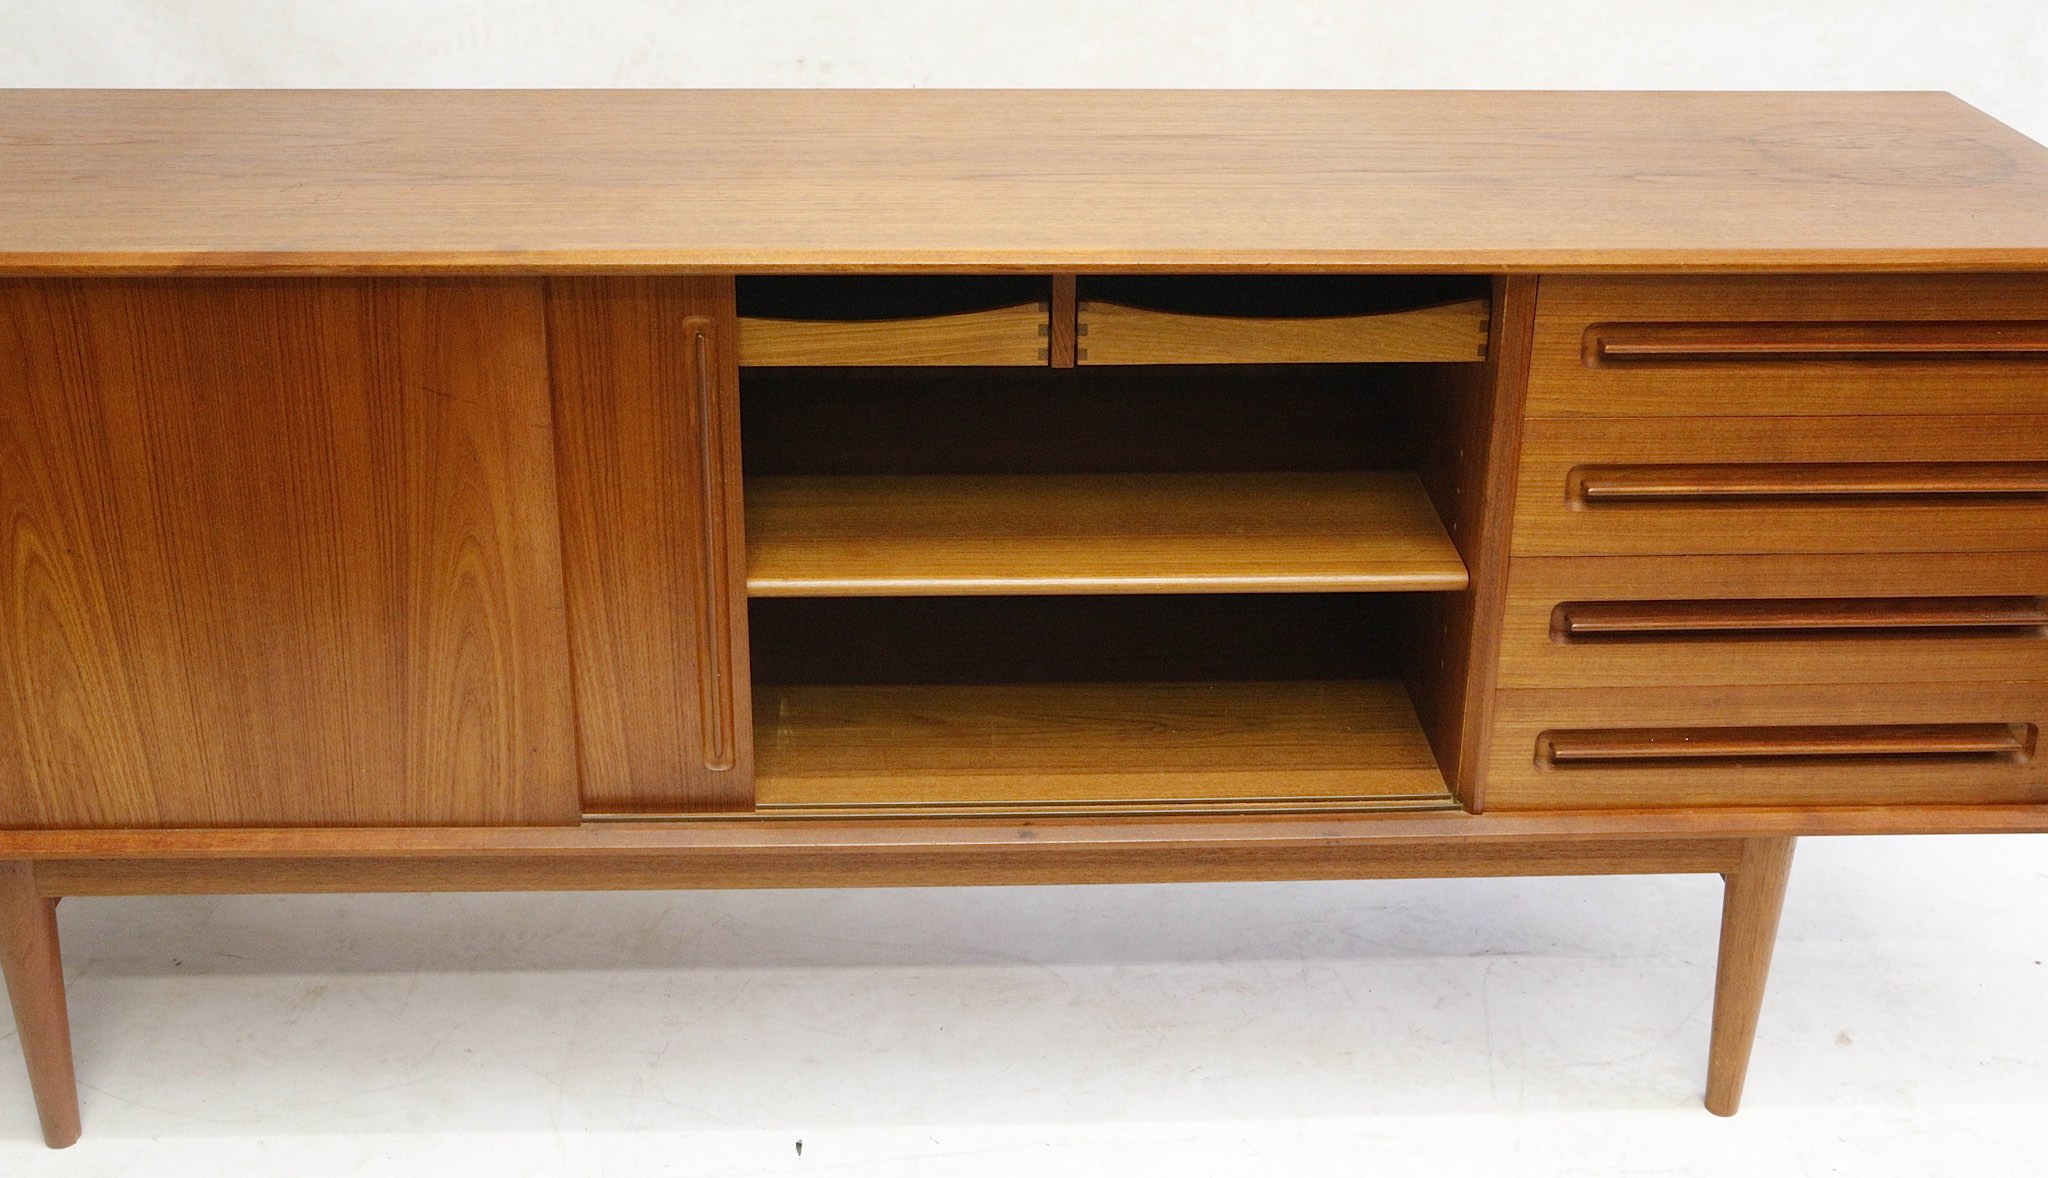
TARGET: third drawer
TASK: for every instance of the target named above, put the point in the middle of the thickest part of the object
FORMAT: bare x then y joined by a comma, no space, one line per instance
1707,620
1854,744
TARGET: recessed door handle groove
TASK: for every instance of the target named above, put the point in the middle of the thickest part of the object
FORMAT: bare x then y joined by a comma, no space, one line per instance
715,708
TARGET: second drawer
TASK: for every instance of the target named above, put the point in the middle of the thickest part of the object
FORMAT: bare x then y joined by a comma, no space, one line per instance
1708,620
1623,486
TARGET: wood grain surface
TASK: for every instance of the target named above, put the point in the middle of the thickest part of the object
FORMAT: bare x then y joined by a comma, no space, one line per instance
1937,314
1114,334
647,429
1782,619
707,180
1752,899
280,553
1102,747
1155,533
2003,455
1522,778
32,963
1016,336
902,862
1468,431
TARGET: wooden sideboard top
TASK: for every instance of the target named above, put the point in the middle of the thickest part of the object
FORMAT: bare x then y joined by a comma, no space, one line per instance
309,182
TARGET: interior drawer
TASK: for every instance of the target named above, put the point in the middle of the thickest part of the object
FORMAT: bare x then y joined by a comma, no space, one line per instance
892,320
1829,745
1790,345
1326,319
1709,485
1655,620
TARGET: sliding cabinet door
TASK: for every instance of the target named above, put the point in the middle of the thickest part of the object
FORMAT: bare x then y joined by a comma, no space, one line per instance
647,419
279,552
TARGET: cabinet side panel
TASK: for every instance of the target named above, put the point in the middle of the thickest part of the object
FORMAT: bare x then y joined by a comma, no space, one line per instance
647,416
279,553
1468,422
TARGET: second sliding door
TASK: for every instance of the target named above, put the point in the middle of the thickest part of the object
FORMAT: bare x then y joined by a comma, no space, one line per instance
647,449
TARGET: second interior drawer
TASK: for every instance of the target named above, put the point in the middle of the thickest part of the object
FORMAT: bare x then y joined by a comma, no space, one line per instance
1666,620
1706,485
1280,319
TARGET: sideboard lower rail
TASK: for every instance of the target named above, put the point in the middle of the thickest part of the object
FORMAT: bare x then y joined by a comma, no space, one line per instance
594,841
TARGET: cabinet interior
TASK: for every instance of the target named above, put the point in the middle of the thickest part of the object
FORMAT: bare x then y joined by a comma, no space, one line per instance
1018,587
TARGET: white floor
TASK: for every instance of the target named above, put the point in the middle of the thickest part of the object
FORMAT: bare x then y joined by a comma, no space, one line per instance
1512,1027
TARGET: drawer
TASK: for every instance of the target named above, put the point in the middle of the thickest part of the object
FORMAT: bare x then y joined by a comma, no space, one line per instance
1712,485
1278,319
1790,345
1831,745
1720,620
839,321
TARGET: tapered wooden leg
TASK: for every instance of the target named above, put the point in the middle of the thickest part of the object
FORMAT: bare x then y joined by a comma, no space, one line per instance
1753,897
35,984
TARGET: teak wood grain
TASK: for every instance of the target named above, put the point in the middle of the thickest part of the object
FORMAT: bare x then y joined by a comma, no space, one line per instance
1846,618
1677,619
1816,742
646,404
901,862
1468,433
1948,322
280,553
207,181
1013,336
1528,721
1979,476
404,517
33,967
800,845
1753,898
1111,333
1153,533
1103,747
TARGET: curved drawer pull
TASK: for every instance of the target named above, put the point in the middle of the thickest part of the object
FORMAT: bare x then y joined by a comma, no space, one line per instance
1859,742
715,708
1703,343
1602,485
1578,621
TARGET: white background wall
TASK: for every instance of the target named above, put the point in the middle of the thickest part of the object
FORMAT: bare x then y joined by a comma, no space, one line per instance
1448,1027
1992,52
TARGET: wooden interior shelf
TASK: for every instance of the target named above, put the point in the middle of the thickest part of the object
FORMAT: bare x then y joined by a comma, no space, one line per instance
1092,748
1141,533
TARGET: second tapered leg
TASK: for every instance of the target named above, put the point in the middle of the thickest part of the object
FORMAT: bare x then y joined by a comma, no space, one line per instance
1753,898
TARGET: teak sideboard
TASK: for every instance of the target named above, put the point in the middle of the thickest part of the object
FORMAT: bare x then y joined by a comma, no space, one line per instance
471,490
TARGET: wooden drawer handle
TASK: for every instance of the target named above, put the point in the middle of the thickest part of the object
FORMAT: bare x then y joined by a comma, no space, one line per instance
1699,343
1611,746
1593,485
1576,621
